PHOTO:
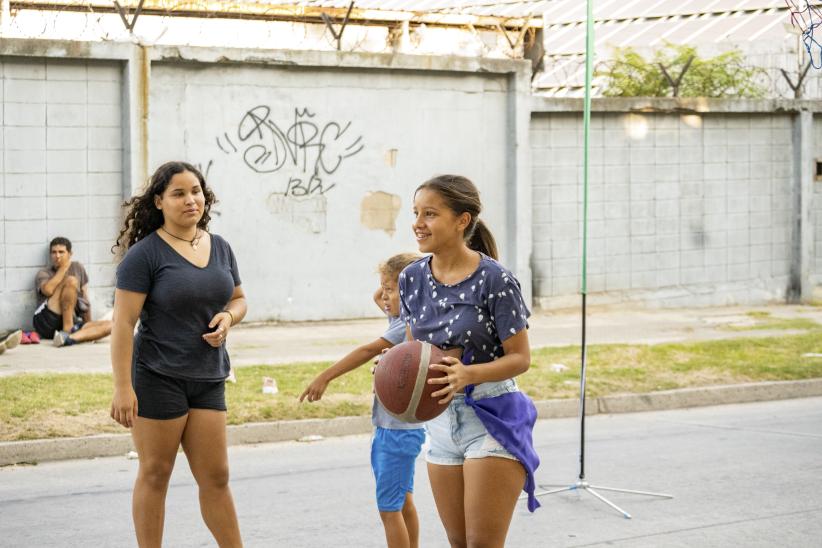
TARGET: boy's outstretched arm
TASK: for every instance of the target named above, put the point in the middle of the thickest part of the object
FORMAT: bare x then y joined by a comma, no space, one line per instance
350,362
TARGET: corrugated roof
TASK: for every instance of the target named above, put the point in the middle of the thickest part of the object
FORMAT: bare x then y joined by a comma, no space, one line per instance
647,24
504,9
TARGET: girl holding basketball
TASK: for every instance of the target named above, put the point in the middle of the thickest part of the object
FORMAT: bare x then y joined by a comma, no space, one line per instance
481,454
169,380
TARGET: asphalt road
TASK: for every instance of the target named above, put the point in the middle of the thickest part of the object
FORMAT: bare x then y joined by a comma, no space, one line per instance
742,475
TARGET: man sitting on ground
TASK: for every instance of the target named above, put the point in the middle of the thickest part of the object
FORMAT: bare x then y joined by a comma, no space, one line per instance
63,308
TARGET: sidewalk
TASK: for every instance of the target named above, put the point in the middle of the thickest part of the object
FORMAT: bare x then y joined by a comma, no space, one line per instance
322,341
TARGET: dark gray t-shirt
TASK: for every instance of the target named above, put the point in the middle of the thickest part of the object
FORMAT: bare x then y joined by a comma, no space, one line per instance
181,299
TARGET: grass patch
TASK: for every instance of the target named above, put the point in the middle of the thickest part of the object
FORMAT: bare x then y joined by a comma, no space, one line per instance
764,321
34,406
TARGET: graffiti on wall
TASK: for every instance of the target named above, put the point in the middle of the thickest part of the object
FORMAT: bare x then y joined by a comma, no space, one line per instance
305,151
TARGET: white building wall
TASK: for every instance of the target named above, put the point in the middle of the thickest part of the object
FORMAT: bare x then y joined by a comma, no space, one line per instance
60,173
291,154
685,210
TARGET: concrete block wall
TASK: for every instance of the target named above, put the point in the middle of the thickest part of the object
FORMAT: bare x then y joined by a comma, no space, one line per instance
60,173
684,210
816,266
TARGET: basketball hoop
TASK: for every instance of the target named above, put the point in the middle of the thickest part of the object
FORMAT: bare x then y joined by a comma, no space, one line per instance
807,19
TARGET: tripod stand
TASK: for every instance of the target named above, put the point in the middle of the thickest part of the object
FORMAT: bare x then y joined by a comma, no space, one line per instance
581,483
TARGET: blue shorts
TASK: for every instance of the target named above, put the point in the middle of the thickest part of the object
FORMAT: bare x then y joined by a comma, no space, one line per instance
458,433
393,456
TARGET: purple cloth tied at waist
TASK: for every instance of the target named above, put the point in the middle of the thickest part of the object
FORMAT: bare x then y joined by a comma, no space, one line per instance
510,419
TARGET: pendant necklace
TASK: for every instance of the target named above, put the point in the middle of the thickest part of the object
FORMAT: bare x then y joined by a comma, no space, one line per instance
194,242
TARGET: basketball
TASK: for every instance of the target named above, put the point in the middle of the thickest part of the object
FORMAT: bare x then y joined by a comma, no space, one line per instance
400,381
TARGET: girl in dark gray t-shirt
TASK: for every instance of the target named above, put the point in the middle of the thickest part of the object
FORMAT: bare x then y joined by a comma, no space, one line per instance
169,380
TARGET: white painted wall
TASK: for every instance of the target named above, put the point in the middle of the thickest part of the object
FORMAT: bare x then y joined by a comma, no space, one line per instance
309,257
60,173
688,210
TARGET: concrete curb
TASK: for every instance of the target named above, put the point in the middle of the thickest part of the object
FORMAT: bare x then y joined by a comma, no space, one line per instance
106,445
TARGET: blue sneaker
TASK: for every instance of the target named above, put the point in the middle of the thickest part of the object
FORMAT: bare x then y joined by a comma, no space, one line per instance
61,338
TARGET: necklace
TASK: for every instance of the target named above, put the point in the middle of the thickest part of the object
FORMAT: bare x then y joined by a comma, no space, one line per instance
193,242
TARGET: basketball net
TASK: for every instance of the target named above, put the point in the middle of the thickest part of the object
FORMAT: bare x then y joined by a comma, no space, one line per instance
807,18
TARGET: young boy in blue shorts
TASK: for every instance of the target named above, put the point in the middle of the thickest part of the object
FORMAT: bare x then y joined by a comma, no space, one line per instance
396,444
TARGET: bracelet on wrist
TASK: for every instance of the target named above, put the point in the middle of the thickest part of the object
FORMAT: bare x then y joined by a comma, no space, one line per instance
230,313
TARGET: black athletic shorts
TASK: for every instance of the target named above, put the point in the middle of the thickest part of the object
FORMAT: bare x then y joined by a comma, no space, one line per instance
46,322
162,397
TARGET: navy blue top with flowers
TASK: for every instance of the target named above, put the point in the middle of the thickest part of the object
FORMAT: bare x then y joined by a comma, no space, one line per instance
476,314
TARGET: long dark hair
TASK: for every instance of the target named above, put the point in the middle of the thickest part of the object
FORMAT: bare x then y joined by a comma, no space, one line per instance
462,196
143,217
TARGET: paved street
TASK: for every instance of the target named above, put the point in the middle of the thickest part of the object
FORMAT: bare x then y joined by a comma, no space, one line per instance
743,475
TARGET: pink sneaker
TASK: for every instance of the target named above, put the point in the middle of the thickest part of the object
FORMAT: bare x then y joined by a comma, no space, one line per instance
34,338
24,339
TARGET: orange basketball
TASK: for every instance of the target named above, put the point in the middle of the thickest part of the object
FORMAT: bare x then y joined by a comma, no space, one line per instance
400,381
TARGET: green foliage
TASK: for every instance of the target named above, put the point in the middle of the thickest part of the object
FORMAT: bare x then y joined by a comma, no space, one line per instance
629,74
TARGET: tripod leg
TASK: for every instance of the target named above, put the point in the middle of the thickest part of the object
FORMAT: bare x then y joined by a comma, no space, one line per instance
633,492
609,503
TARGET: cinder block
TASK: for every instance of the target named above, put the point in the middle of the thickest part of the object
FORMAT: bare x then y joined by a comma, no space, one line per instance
644,262
641,227
715,171
714,137
24,91
619,263
780,268
617,281
716,257
666,137
667,226
761,270
641,157
716,274
24,255
109,184
104,161
667,278
21,114
66,115
667,190
67,70
739,237
565,267
666,155
716,240
692,259
66,207
668,260
565,285
761,253
75,230
760,220
761,235
641,209
24,161
690,276
715,205
716,154
644,280
782,170
66,92
105,93
666,173
643,245
642,173
741,121
67,184
25,184
66,161
739,255
30,68
667,243
22,278
104,72
24,138
25,232
739,272
760,136
715,222
618,227
564,212
63,138
691,155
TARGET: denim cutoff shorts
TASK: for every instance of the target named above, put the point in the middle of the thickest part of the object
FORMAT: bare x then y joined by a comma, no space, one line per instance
458,434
